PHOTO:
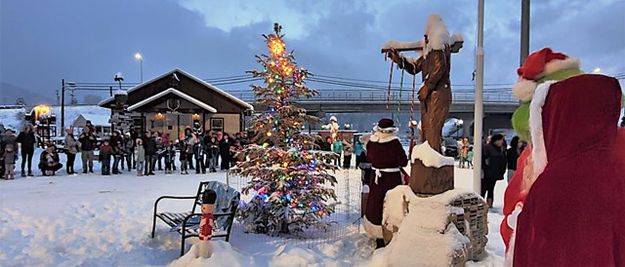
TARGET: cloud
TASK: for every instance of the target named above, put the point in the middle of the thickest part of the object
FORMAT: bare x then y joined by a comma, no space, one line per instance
45,41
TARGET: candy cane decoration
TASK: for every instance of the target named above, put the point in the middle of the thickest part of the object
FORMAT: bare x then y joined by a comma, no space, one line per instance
401,86
388,94
414,88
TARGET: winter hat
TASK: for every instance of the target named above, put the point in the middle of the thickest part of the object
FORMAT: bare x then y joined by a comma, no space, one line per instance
385,125
537,65
209,196
333,118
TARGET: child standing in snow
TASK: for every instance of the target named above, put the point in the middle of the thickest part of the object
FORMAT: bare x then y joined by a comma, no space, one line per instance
183,157
470,158
9,162
139,156
106,152
170,157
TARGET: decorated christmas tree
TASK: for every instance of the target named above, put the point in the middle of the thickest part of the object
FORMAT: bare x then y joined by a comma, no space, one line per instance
290,181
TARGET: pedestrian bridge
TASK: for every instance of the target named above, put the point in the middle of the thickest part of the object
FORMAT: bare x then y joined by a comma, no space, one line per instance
498,104
359,101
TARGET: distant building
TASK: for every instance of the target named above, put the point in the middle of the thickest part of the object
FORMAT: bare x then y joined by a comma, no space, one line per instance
175,100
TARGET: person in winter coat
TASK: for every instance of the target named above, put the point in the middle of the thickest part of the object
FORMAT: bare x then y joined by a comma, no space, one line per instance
139,156
494,164
198,155
359,151
170,156
106,153
71,148
573,212
149,144
347,154
27,141
117,143
512,155
387,157
224,150
88,143
2,130
49,161
8,140
129,147
184,165
213,154
8,154
464,152
337,147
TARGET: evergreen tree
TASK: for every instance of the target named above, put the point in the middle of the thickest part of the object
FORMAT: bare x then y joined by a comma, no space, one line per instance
289,182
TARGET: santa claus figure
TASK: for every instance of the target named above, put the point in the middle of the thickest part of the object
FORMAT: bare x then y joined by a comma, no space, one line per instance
207,223
387,156
573,214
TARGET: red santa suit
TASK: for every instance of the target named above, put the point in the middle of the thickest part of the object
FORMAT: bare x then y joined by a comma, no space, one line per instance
387,156
574,213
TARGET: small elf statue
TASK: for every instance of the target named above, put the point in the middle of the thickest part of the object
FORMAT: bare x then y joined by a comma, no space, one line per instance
207,223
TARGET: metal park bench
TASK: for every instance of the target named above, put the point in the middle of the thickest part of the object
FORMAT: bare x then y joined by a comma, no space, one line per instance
187,223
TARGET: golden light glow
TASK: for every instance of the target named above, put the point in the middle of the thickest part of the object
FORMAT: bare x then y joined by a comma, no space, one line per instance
159,116
41,110
276,46
195,116
269,134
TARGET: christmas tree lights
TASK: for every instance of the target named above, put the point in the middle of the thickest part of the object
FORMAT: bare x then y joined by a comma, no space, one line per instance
291,184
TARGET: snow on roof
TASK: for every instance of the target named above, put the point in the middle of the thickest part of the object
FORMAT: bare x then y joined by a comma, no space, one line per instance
222,92
176,92
12,118
97,115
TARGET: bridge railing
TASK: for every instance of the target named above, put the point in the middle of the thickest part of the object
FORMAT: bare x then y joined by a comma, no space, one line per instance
381,96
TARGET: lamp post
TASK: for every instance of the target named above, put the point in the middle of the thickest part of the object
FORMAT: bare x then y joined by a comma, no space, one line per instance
139,57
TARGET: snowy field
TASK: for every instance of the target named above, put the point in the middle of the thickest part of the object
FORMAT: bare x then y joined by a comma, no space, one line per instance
93,220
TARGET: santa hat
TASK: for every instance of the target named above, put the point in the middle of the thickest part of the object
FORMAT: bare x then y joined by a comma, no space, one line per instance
385,125
538,65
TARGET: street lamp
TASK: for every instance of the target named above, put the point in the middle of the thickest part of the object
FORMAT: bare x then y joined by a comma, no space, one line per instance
139,57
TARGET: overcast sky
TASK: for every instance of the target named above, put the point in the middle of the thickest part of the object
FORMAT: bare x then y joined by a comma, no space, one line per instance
42,42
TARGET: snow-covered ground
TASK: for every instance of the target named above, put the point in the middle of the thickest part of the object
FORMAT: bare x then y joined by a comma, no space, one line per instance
93,220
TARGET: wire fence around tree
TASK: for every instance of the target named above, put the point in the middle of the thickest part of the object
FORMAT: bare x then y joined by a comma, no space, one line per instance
343,222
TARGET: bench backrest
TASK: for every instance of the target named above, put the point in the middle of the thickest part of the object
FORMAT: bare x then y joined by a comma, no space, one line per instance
227,200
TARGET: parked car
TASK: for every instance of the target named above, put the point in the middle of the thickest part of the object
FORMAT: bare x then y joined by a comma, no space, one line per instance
450,147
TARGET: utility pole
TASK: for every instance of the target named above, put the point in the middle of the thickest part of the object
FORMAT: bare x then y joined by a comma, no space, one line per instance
525,30
479,94
62,107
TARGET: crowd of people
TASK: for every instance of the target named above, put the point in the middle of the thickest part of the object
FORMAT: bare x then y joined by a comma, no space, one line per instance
122,151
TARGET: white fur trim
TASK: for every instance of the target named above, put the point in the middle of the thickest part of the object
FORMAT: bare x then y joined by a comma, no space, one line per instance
539,152
557,65
524,89
509,260
371,229
380,137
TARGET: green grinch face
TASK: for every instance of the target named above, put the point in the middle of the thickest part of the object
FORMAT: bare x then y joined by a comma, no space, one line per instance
521,121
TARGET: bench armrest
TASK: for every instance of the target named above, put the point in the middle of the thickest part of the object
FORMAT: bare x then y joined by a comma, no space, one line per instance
169,197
